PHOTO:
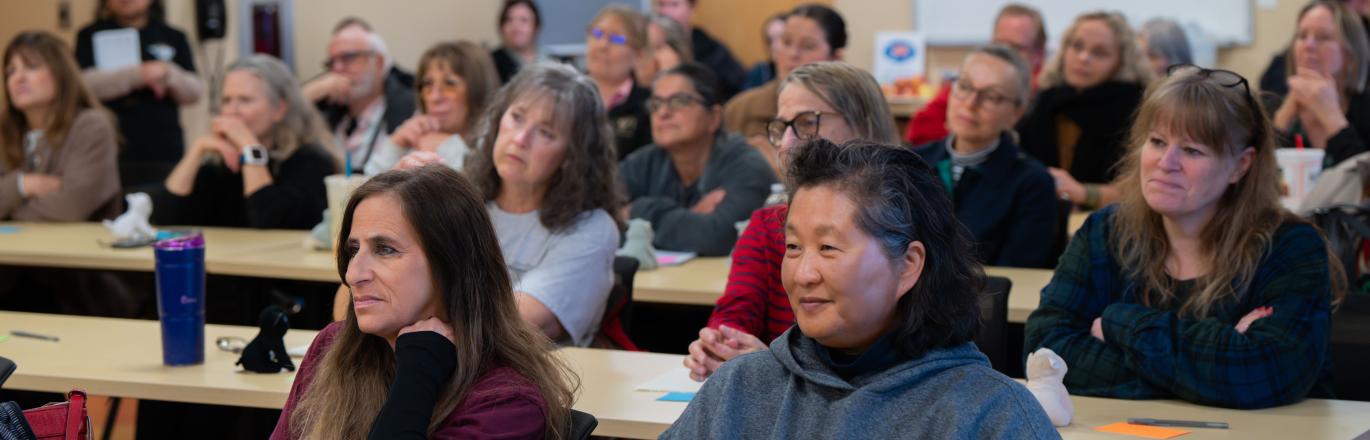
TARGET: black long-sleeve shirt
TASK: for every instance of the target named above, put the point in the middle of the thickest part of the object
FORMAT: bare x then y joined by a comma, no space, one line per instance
294,200
426,362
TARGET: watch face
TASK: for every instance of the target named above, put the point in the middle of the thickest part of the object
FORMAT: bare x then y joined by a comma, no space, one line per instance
257,154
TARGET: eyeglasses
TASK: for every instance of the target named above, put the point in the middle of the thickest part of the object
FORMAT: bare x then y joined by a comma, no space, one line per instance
964,90
346,58
1225,78
675,102
805,127
615,39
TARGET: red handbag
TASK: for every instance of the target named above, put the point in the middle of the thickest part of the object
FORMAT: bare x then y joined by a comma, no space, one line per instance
65,421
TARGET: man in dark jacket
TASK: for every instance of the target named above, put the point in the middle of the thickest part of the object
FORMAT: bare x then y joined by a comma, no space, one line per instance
707,50
363,97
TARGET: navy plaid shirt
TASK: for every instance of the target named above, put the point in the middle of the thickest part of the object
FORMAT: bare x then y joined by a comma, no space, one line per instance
1154,353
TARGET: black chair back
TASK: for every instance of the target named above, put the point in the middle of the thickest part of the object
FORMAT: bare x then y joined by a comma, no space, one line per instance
618,311
1349,343
993,338
582,425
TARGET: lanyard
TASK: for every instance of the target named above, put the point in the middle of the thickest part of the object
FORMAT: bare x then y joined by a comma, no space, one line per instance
944,171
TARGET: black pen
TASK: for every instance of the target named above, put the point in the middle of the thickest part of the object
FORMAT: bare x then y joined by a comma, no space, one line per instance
1178,423
24,334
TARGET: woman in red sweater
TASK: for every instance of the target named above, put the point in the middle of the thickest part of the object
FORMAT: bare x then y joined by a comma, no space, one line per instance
832,100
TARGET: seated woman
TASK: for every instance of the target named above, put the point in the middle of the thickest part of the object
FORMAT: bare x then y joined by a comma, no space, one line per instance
617,37
834,101
418,255
1005,198
58,150
1327,106
456,80
262,164
886,296
1078,124
546,170
668,45
697,181
1165,44
1198,284
812,33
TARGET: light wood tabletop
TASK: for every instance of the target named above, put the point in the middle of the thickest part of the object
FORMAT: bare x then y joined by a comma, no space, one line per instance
701,282
122,357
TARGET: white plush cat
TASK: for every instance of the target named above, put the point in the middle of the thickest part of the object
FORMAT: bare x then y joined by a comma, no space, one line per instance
133,223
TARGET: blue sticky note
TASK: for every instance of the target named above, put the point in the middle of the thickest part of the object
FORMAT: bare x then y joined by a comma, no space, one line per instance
676,396
8,229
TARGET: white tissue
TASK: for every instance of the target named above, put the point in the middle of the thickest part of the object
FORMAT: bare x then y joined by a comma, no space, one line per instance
133,224
1046,373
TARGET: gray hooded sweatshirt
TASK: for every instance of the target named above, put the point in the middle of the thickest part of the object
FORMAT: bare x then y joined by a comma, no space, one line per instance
788,392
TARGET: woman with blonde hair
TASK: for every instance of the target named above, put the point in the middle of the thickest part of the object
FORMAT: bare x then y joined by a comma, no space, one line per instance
455,81
1078,124
262,164
1198,284
432,345
58,147
1329,63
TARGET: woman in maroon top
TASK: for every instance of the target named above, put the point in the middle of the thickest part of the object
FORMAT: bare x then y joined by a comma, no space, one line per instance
423,266
832,100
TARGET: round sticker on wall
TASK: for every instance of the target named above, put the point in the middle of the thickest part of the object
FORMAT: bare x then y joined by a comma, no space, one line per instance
900,51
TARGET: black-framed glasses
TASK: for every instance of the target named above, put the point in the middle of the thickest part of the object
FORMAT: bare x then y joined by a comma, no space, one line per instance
805,126
965,90
675,102
1225,78
346,58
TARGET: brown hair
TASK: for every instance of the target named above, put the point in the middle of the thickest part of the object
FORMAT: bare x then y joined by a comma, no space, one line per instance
1229,119
634,23
473,65
585,181
70,94
468,271
1132,64
1356,70
1021,10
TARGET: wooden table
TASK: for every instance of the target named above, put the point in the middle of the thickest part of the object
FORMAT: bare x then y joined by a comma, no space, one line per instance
701,282
122,357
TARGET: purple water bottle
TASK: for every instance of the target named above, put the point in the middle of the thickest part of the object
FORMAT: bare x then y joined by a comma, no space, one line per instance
181,298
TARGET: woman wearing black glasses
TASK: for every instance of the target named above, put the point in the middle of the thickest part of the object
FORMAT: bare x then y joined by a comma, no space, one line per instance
614,41
1197,284
696,181
1004,197
830,100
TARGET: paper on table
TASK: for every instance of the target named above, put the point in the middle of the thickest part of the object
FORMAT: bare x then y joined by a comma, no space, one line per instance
297,351
117,48
672,258
1142,430
676,396
676,380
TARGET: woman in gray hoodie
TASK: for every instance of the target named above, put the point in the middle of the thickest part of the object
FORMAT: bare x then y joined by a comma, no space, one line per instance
884,289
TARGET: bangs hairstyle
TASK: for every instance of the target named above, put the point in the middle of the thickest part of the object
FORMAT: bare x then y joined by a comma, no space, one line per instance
70,94
468,272
1133,66
851,91
1227,119
585,180
900,201
634,24
473,65
1354,42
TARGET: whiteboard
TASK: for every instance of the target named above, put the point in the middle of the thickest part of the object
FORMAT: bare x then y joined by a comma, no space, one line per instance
970,22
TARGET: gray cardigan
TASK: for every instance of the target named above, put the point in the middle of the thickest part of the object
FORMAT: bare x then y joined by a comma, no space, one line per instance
658,195
787,392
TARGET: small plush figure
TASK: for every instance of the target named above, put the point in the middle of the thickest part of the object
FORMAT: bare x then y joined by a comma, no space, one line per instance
639,244
266,353
1046,373
133,224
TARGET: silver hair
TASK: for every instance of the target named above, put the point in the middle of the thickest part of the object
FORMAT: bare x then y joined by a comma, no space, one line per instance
676,37
1166,38
301,125
1022,74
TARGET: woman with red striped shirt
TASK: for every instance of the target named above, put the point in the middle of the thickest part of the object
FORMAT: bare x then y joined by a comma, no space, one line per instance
832,100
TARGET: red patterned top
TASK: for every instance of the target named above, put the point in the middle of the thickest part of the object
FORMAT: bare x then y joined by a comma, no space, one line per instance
755,301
